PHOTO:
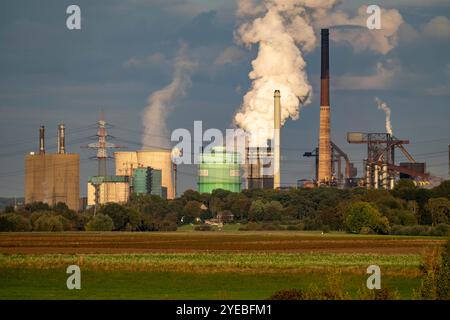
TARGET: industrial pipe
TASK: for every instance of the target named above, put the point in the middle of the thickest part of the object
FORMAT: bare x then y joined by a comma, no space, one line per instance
276,152
61,139
42,140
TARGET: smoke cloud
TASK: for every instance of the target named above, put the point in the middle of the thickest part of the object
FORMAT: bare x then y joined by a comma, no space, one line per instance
282,29
383,106
161,102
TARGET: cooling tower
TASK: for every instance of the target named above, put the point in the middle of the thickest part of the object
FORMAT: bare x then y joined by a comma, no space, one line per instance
324,174
157,159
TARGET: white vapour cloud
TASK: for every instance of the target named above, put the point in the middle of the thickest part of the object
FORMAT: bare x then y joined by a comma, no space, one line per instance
383,106
161,102
274,25
284,30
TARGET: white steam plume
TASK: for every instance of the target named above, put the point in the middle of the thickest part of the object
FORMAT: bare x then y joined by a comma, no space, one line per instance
161,102
281,29
383,106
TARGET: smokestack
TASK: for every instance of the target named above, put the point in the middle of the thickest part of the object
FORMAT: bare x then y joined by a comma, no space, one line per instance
42,140
61,139
324,175
276,147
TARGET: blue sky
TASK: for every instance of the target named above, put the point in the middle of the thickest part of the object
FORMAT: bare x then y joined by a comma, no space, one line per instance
49,75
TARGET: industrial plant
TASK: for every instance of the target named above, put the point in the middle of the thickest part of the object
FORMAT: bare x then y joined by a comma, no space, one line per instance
53,178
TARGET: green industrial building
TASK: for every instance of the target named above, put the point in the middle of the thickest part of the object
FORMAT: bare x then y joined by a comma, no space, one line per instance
148,181
219,169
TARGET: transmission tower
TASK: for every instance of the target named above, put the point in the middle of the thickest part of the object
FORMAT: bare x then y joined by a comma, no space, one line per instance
102,156
102,146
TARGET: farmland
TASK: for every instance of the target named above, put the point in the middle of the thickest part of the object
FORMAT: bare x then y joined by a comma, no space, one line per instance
202,265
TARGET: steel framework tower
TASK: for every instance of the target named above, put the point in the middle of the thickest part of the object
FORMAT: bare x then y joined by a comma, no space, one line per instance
102,145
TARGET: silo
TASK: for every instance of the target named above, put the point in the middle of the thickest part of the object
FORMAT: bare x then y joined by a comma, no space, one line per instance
219,169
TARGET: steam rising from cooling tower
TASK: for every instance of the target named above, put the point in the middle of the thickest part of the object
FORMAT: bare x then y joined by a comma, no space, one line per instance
281,29
383,106
160,103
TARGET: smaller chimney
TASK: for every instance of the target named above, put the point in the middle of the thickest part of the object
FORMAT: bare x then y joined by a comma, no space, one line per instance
61,139
276,138
42,140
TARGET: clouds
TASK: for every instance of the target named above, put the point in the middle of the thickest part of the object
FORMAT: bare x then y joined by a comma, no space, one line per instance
382,78
156,59
438,91
231,55
438,27
354,31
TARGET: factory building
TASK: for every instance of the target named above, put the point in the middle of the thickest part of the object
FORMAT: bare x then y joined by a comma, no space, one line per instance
148,181
53,178
258,168
219,169
107,189
160,159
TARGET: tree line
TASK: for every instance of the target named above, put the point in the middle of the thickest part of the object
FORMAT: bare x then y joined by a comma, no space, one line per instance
406,209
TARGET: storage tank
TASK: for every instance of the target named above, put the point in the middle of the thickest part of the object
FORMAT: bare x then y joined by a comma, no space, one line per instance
219,169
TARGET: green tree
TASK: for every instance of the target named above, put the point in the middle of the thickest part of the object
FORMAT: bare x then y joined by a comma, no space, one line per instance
37,206
439,209
442,190
124,218
239,205
48,222
256,212
272,211
101,222
14,222
361,216
436,269
192,210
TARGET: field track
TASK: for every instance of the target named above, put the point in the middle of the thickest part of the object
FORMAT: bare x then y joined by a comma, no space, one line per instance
187,242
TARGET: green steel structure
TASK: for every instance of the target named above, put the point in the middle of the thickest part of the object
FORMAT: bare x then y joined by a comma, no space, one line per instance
103,179
219,169
147,181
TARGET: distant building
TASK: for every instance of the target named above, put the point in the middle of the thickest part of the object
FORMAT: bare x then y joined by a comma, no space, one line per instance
148,181
108,189
219,169
160,159
305,183
53,178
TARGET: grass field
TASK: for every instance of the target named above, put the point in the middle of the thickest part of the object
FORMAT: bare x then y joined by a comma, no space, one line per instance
201,265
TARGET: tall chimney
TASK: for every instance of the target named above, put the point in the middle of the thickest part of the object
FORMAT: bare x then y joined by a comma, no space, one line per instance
324,176
42,140
276,138
61,139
